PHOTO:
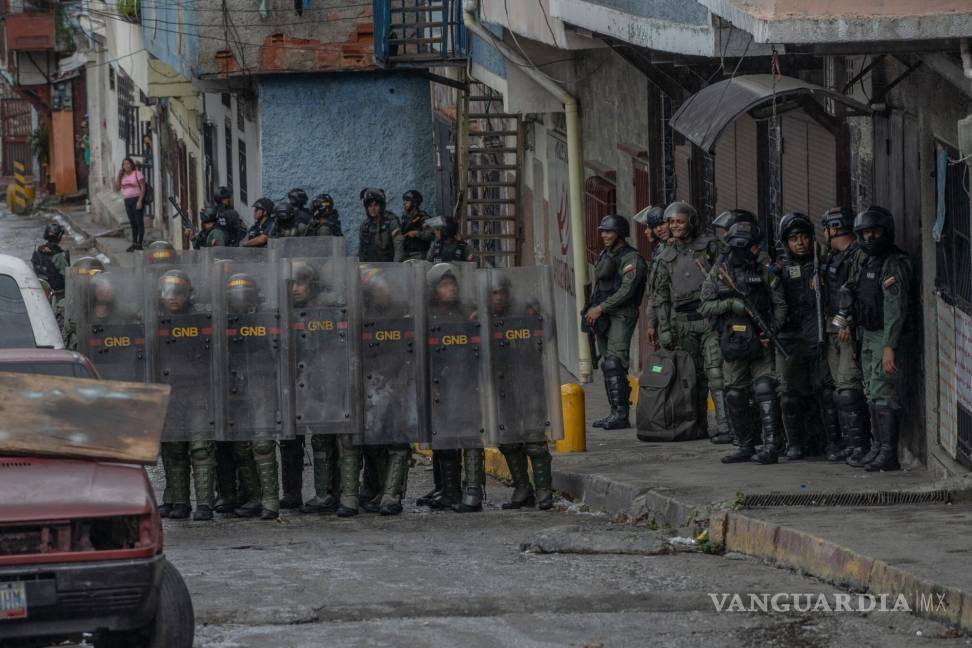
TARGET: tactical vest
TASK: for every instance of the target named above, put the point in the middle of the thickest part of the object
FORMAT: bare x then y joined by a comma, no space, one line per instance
43,262
738,336
414,245
836,272
608,276
329,225
870,294
686,276
294,228
376,239
448,251
230,222
801,312
751,283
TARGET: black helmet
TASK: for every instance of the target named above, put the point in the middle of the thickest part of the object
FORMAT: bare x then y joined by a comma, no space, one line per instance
440,272
284,211
222,193
242,292
447,225
160,252
303,272
795,223
614,223
209,215
323,202
681,207
297,197
369,196
727,219
414,196
650,217
88,265
743,235
174,283
875,217
841,218
53,232
264,204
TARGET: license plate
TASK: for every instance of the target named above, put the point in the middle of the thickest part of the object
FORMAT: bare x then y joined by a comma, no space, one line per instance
13,601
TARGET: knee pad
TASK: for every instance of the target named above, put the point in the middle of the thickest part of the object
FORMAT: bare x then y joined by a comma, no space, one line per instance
714,376
322,442
612,365
849,399
764,389
203,453
346,443
792,404
243,450
737,399
537,449
398,450
264,449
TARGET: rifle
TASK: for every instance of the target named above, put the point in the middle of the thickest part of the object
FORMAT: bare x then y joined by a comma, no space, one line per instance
817,293
752,312
186,222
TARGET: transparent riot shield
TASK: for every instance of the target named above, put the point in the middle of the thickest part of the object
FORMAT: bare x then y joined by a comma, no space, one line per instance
111,328
456,366
308,246
248,348
524,370
236,254
392,392
148,259
181,339
320,347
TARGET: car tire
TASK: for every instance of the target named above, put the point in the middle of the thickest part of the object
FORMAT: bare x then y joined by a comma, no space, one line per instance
174,625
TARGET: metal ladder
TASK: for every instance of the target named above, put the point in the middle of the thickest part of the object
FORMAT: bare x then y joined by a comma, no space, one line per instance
492,161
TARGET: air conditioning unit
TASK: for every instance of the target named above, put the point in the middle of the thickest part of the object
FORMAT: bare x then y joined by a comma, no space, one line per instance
965,139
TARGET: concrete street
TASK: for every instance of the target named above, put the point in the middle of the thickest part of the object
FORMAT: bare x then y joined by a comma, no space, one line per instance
443,579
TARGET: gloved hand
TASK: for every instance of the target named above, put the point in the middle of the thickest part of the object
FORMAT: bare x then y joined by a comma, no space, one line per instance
666,339
737,306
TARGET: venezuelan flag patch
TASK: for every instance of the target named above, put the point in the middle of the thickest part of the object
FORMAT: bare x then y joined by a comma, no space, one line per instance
890,281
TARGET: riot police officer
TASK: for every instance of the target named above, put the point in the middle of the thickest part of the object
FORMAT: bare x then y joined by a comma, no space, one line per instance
50,261
878,295
210,234
298,198
724,221
376,234
743,300
263,224
447,246
325,219
620,275
682,268
804,374
87,266
160,252
837,267
287,221
175,298
658,233
414,236
228,219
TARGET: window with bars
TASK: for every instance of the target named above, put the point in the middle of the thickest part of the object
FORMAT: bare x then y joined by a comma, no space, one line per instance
600,199
954,268
244,198
240,105
127,113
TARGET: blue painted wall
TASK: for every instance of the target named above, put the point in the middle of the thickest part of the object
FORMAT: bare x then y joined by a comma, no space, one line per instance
339,133
171,34
485,54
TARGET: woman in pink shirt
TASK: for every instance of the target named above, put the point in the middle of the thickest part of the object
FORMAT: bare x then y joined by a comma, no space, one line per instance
131,183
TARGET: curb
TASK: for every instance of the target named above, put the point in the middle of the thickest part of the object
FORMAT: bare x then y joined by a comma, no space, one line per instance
98,245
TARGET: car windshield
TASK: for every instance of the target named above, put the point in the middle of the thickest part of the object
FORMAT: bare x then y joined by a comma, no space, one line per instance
66,369
15,329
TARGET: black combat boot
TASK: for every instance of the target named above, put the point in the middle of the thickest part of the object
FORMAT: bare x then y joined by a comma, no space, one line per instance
516,461
835,450
599,423
794,423
292,472
349,465
619,391
723,432
474,463
741,420
226,487
265,456
203,477
396,474
853,423
180,511
426,500
768,406
373,458
859,461
451,465
885,421
542,476
325,467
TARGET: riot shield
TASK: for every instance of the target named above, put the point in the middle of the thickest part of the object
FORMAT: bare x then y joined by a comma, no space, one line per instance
111,328
524,370
320,356
392,359
180,331
148,259
248,348
456,366
254,255
308,246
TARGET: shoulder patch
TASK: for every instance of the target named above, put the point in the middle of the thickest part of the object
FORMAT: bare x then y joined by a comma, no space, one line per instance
628,268
890,281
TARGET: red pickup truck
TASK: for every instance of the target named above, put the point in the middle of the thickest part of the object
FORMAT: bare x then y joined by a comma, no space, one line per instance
81,545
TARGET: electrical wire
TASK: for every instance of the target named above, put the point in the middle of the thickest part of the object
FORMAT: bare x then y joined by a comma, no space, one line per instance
546,20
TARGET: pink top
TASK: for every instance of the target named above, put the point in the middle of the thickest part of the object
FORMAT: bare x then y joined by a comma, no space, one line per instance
129,184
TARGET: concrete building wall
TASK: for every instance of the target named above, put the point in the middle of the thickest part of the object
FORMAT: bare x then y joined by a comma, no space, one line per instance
341,133
171,34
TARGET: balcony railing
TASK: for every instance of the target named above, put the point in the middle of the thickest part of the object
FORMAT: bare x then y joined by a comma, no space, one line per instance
419,33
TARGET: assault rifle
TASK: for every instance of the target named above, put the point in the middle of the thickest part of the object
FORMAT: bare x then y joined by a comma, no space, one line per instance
817,293
186,221
753,313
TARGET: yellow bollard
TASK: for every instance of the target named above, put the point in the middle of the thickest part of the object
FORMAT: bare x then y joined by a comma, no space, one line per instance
633,384
575,424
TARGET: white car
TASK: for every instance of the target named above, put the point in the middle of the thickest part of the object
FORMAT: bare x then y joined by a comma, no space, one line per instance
26,317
